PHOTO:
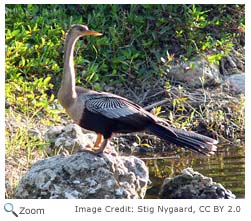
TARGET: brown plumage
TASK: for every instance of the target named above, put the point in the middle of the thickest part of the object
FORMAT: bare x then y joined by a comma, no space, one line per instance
107,113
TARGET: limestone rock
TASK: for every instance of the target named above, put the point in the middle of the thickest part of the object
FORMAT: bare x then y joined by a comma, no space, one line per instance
85,175
193,185
236,82
67,140
192,72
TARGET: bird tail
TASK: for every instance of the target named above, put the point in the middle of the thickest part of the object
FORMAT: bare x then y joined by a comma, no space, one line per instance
193,141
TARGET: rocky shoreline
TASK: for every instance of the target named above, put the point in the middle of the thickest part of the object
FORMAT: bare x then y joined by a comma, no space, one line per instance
77,174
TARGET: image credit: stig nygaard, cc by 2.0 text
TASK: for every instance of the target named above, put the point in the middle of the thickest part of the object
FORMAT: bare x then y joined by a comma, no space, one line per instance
157,209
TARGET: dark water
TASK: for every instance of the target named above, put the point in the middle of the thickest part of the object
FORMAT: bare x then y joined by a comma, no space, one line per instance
226,167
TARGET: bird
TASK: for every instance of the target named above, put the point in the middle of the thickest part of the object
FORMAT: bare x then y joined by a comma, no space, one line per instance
106,113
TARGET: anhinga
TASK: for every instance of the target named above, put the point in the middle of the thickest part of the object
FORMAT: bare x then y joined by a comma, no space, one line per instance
107,113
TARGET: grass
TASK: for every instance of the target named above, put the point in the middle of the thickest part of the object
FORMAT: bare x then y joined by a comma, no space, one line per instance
136,41
24,144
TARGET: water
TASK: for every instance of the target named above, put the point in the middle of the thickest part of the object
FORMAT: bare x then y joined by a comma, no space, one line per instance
226,167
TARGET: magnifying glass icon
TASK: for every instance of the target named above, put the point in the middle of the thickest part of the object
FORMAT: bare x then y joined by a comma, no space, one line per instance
8,207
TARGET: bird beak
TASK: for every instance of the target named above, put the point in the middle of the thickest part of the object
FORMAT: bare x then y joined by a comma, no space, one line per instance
92,33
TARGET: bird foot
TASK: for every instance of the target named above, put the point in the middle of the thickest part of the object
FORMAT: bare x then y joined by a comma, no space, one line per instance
100,150
90,149
94,150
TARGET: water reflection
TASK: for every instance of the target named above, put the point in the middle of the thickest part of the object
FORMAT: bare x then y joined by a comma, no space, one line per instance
226,167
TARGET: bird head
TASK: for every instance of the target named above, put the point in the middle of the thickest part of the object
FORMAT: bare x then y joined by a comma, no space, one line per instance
82,30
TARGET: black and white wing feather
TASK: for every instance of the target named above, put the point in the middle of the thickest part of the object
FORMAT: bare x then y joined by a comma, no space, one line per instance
121,110
114,107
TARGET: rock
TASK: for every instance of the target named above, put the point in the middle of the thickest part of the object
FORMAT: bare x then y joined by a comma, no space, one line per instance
192,72
82,174
85,175
236,82
67,140
233,62
193,185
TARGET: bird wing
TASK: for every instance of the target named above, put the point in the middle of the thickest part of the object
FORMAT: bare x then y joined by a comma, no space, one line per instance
113,106
120,108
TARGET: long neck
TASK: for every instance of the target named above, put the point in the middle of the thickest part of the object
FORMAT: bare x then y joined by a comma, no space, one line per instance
67,92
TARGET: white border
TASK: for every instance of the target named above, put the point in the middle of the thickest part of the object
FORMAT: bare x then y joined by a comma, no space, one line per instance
126,2
248,104
64,208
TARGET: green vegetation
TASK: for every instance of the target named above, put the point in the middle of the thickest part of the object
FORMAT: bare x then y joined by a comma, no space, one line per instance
135,39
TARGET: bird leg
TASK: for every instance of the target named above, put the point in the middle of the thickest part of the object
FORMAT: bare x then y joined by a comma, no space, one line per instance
102,147
97,149
99,139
